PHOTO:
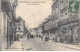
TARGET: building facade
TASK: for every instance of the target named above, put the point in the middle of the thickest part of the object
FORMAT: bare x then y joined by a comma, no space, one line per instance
6,23
68,24
79,23
50,26
20,24
63,26
55,19
38,31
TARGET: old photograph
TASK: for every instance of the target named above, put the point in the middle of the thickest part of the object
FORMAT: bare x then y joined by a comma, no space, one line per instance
39,25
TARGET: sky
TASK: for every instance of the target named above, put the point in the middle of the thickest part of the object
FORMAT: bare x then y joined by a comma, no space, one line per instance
35,14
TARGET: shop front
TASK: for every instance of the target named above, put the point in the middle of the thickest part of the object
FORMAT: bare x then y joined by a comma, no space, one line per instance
69,33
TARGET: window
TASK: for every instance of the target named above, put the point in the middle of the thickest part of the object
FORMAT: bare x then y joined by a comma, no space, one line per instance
62,1
19,24
53,13
65,13
62,15
56,10
66,0
19,28
61,6
56,18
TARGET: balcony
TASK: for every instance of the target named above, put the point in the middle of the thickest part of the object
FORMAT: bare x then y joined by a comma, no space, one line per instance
69,20
63,10
51,27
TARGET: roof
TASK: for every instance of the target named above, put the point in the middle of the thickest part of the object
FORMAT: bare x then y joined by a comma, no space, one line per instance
18,19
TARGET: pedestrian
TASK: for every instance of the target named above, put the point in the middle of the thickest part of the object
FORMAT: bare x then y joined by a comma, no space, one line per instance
28,37
41,37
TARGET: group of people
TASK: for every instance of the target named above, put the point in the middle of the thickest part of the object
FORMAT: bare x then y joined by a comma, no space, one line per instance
33,36
30,36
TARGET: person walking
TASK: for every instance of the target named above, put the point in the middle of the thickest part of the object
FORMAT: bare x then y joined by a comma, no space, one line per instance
41,38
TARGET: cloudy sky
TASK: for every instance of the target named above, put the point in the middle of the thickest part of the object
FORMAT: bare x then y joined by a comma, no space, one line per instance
33,14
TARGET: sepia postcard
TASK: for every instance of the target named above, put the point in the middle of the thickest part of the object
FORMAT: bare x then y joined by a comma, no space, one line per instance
39,25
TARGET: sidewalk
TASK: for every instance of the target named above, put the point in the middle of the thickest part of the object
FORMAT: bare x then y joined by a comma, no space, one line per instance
75,47
22,45
16,46
57,46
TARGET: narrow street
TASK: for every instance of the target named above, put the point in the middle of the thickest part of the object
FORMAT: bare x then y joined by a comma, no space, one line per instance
38,45
39,25
35,45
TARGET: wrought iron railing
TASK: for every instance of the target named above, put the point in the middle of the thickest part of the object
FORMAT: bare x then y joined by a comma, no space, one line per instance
69,20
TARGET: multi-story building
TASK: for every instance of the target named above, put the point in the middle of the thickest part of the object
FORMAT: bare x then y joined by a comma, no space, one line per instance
79,23
15,3
51,24
38,31
68,23
20,23
25,31
63,24
55,18
6,23
47,27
